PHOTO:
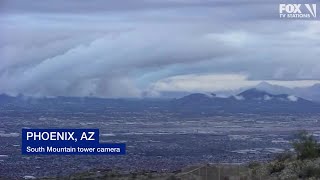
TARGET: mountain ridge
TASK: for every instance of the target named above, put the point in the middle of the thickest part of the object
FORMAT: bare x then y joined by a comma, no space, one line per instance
248,101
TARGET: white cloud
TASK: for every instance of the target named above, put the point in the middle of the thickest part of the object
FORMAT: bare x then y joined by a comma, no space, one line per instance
267,98
239,98
292,98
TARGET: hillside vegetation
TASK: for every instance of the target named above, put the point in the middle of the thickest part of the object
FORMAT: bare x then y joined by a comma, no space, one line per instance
302,164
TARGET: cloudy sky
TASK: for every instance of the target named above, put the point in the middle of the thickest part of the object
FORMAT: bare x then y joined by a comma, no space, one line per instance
130,48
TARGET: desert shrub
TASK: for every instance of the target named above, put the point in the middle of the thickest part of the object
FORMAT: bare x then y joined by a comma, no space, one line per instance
310,171
134,175
283,156
306,146
276,167
172,177
150,176
254,164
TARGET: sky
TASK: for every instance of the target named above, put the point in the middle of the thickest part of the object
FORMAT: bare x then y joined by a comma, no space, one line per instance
135,48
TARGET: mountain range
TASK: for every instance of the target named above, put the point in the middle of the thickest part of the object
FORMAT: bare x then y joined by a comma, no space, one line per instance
311,93
253,100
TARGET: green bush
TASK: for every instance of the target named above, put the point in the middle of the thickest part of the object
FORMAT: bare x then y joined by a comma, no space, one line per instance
306,146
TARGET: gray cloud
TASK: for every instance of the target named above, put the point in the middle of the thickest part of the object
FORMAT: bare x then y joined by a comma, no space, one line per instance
82,6
119,50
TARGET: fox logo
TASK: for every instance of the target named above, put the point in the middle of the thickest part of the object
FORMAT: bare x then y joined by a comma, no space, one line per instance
297,10
312,8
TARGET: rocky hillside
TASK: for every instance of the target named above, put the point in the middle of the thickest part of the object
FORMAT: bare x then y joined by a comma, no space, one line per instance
302,164
283,168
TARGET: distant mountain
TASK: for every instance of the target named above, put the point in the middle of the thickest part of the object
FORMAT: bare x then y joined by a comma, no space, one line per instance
311,93
315,87
247,95
256,94
5,98
251,100
273,89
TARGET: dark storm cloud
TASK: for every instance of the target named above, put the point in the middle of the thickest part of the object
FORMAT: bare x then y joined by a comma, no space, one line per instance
121,48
